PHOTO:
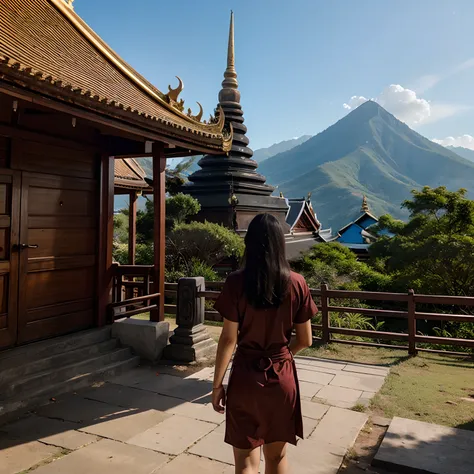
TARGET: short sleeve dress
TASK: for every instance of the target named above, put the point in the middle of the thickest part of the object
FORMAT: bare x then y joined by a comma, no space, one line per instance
263,402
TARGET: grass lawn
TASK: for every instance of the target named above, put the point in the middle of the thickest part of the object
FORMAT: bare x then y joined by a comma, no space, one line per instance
429,387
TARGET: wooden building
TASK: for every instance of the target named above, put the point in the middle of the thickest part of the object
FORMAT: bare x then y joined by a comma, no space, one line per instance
69,107
305,228
356,235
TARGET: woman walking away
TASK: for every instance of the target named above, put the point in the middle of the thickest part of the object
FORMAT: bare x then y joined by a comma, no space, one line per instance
261,305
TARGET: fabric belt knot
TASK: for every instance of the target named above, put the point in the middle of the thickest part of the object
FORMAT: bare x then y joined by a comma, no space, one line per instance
267,365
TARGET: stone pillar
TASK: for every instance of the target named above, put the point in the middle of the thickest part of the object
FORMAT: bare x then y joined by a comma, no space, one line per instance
191,341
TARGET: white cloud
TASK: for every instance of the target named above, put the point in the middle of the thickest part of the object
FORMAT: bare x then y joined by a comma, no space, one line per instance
466,141
354,102
401,102
404,104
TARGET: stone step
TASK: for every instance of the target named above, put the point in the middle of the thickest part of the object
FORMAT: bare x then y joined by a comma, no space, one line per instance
43,394
32,352
31,384
22,371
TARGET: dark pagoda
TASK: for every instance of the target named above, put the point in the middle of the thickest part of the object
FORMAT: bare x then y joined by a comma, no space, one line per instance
228,187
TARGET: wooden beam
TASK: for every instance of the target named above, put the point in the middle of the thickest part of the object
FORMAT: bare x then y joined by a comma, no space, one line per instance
159,165
106,232
132,228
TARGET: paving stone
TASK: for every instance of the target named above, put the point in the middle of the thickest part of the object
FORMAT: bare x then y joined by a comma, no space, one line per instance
334,365
212,446
365,383
15,458
314,377
380,421
172,436
127,426
339,427
107,457
129,397
198,411
321,370
204,374
313,410
78,410
188,463
49,431
309,390
415,446
311,457
368,370
188,389
159,383
331,392
309,426
336,403
138,375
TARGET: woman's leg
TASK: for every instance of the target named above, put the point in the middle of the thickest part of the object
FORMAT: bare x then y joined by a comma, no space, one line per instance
276,461
247,461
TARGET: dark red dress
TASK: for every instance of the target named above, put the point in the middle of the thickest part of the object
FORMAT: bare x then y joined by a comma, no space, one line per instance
263,402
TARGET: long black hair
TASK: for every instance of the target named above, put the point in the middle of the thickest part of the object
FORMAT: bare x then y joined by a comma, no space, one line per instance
266,270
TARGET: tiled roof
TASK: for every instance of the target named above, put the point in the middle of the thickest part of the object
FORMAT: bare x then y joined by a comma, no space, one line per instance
129,174
46,47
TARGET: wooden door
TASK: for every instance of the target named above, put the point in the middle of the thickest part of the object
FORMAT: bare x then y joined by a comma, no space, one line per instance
57,271
9,221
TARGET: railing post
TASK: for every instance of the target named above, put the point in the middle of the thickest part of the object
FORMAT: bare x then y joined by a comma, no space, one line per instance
411,324
326,337
190,341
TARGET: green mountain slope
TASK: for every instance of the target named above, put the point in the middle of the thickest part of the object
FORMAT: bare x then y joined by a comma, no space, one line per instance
461,151
367,152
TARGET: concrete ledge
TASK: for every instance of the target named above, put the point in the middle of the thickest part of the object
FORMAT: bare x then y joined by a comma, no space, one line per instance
148,339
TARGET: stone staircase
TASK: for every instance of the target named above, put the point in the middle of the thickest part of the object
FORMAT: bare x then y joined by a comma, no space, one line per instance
31,375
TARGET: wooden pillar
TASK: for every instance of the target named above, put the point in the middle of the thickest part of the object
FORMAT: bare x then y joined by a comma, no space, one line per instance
106,233
326,336
411,324
132,228
159,165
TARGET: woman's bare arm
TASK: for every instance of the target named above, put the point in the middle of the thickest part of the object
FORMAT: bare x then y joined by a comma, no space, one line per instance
303,338
225,349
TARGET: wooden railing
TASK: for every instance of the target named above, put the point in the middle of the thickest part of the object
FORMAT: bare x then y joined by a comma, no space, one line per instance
411,338
133,295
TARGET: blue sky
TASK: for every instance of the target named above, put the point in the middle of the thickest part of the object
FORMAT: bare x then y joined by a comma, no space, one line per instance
300,61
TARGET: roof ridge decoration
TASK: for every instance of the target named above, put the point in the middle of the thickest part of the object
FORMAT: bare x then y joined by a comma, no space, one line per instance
167,101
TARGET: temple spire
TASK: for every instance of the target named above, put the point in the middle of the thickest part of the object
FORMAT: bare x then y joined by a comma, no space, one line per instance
365,205
230,84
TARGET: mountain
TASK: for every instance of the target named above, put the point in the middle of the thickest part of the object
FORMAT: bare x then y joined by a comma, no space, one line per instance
464,152
368,152
263,153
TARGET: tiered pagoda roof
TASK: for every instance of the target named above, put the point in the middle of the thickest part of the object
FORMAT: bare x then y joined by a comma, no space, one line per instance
45,47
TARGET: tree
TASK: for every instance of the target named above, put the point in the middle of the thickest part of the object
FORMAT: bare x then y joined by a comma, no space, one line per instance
175,177
337,266
434,251
180,208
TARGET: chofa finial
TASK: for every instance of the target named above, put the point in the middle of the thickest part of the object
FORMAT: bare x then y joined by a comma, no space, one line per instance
69,3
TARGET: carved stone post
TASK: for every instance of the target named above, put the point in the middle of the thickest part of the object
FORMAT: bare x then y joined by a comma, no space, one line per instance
190,341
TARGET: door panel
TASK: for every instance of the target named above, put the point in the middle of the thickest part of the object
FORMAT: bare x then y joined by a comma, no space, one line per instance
9,223
57,272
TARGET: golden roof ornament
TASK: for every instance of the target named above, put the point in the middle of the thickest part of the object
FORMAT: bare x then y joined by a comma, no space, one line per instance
197,117
69,4
173,94
365,205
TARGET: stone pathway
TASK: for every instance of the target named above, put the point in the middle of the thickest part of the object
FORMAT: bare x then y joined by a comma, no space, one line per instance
415,446
155,420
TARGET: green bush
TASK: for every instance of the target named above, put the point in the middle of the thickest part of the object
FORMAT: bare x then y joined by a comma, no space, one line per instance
204,241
